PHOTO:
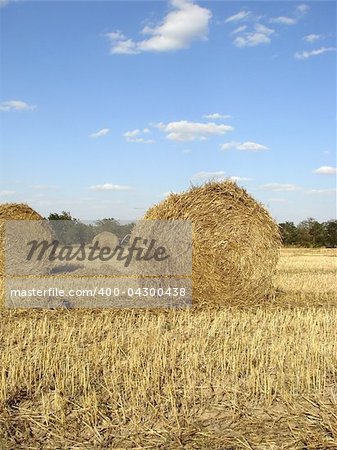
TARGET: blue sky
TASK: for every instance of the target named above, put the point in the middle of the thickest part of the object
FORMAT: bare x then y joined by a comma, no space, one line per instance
107,106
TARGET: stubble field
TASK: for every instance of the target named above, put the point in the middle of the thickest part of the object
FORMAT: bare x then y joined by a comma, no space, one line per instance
261,376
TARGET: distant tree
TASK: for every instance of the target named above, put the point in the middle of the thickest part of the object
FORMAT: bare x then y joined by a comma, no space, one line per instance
126,229
311,233
107,224
63,216
81,233
289,233
61,223
68,230
330,228
114,226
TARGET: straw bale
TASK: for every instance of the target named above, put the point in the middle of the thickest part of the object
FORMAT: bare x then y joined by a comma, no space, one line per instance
106,239
41,230
236,243
20,211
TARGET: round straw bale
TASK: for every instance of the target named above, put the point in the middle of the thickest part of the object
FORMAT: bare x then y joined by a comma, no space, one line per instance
106,239
235,242
20,211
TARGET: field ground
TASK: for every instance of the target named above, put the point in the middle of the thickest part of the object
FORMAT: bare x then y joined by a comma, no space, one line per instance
258,377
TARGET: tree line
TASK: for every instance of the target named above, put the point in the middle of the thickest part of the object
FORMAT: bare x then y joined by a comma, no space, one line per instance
308,233
69,230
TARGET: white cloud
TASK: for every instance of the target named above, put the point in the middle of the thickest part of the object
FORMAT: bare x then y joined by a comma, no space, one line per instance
312,38
208,175
3,3
279,187
238,17
100,133
179,28
284,20
245,146
109,187
192,131
5,192
322,191
261,35
239,29
326,170
229,145
238,179
115,35
131,134
260,28
217,116
141,141
220,175
16,105
135,136
319,51
251,146
300,11
302,8
251,40
123,47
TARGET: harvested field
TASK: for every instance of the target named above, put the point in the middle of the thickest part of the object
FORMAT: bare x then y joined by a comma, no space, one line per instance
261,376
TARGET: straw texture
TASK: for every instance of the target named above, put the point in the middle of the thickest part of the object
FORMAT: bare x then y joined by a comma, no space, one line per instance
235,242
20,211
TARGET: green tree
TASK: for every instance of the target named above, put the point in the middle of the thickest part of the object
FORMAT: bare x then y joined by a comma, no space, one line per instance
68,230
81,233
61,224
63,216
108,224
289,233
311,233
114,226
330,228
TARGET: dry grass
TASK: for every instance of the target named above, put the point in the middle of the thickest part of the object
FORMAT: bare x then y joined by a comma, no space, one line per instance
306,272
257,377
